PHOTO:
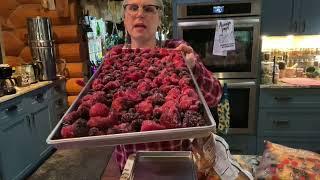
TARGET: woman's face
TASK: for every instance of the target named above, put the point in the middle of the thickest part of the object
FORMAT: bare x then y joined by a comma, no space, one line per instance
141,19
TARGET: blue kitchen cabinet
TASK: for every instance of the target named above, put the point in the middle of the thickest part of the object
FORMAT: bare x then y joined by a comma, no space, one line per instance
41,127
25,123
16,148
300,17
278,17
289,116
310,15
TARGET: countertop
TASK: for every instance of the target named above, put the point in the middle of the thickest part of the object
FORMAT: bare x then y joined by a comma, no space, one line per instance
304,83
24,90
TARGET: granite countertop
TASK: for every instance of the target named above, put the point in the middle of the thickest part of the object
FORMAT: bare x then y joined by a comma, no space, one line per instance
294,83
24,90
285,85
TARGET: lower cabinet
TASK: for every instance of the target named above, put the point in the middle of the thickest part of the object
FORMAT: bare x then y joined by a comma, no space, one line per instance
41,129
17,153
25,123
290,117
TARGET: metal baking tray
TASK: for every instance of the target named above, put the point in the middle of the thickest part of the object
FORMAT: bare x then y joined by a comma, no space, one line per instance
164,165
134,137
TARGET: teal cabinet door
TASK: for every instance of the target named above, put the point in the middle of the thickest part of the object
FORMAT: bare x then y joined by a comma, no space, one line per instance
277,17
16,153
310,15
41,127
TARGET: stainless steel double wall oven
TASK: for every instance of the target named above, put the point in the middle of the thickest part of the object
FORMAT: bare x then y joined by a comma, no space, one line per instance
195,22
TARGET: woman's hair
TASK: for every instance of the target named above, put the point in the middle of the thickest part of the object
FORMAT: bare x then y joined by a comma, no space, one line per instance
158,3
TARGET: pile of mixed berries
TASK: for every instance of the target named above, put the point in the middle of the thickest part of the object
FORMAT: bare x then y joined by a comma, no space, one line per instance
136,90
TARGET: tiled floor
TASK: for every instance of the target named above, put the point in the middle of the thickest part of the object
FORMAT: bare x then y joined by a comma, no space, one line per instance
74,164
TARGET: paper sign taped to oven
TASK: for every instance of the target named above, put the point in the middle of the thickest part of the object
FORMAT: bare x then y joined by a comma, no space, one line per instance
224,37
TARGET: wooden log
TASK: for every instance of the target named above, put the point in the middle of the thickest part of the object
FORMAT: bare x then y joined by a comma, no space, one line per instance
74,70
62,7
25,54
72,87
71,99
66,34
13,60
29,1
12,44
62,34
70,52
18,16
6,7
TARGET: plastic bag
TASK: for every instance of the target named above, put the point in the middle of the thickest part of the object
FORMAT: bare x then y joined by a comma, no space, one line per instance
281,162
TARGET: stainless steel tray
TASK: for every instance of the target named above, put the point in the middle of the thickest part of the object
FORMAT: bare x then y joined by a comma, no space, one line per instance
134,137
164,165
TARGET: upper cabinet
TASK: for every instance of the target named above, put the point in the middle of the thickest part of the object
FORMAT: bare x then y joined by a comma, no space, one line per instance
277,17
310,17
300,17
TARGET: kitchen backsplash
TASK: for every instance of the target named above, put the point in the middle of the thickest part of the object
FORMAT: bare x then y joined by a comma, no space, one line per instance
295,56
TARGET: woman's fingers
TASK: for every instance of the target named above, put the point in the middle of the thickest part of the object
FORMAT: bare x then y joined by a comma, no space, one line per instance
184,48
191,60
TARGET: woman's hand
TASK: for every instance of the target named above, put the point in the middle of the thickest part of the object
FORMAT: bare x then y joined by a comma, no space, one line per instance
188,52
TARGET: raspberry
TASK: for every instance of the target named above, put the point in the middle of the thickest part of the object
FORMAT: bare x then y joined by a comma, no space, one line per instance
112,85
100,122
149,125
95,132
144,86
99,109
118,104
132,95
173,94
145,108
121,128
67,132
190,92
170,118
80,128
97,85
192,119
71,117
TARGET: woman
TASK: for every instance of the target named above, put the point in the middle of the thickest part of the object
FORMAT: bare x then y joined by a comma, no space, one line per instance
142,19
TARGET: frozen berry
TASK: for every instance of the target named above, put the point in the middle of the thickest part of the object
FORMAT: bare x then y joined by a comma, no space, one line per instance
149,125
99,109
67,132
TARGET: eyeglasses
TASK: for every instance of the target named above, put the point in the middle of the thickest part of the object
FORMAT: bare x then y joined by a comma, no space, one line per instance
133,9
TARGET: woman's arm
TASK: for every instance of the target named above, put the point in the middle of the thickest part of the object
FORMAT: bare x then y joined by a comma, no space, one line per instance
209,85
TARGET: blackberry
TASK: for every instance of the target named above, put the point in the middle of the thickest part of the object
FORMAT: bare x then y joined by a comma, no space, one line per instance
128,117
136,125
95,132
158,99
107,78
83,112
144,94
80,128
192,119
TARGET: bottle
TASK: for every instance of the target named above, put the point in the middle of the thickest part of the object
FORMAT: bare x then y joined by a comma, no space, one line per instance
224,111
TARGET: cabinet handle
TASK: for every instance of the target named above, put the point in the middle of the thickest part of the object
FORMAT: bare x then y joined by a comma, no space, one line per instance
281,122
12,108
39,98
283,98
295,26
304,25
28,119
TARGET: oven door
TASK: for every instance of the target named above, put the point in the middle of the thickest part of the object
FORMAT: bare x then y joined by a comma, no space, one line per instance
242,99
240,63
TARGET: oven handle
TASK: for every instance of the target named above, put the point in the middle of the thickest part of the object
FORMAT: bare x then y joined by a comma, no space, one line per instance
214,22
241,84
